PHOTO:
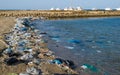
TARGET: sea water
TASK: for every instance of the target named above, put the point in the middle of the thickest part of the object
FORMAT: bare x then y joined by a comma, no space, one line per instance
94,41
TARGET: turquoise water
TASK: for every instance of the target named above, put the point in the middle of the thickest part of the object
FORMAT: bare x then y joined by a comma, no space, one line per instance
94,41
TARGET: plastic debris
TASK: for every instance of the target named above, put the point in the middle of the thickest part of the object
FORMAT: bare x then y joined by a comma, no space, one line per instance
67,63
33,71
57,61
27,57
69,47
8,50
90,67
11,61
36,61
74,41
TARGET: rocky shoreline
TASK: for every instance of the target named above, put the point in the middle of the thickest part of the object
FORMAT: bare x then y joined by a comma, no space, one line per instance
27,53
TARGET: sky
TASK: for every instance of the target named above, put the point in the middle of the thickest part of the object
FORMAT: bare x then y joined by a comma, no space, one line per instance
47,4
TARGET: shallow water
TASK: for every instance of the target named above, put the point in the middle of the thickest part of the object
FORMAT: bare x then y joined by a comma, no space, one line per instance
94,41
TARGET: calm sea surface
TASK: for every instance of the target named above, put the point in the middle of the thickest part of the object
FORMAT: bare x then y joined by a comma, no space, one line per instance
94,41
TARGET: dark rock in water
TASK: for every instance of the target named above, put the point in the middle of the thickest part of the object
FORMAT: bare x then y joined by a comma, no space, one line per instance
11,61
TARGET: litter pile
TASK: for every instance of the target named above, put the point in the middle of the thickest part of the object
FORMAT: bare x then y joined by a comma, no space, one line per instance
25,45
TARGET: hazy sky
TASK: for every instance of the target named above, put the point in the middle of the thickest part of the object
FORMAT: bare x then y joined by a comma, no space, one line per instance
47,4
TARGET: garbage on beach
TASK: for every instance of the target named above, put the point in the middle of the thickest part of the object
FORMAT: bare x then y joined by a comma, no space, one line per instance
25,45
11,61
26,57
57,61
33,71
63,62
90,67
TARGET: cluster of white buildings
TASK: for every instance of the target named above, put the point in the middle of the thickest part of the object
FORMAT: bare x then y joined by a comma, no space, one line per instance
69,8
106,9
79,8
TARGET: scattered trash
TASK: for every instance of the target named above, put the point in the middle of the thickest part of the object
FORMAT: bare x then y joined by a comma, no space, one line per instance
90,67
70,63
57,61
69,47
27,57
74,41
62,62
33,71
25,45
98,51
11,61
8,50
36,61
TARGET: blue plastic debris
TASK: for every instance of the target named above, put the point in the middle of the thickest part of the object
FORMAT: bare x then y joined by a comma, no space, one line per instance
74,41
57,61
8,50
90,67
56,39
23,29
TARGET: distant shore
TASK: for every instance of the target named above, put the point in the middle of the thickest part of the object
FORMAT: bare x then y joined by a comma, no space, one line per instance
59,13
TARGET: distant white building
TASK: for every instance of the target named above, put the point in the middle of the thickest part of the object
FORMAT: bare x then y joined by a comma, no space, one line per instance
79,8
94,9
70,8
57,8
52,9
65,8
117,8
108,9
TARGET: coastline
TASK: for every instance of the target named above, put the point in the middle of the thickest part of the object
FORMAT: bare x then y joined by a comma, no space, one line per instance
51,14
44,66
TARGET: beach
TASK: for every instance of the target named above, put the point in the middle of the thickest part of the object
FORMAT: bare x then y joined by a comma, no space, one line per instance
45,67
40,46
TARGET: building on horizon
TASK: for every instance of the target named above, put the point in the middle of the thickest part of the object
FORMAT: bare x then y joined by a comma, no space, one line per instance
52,9
79,8
108,9
117,8
57,9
